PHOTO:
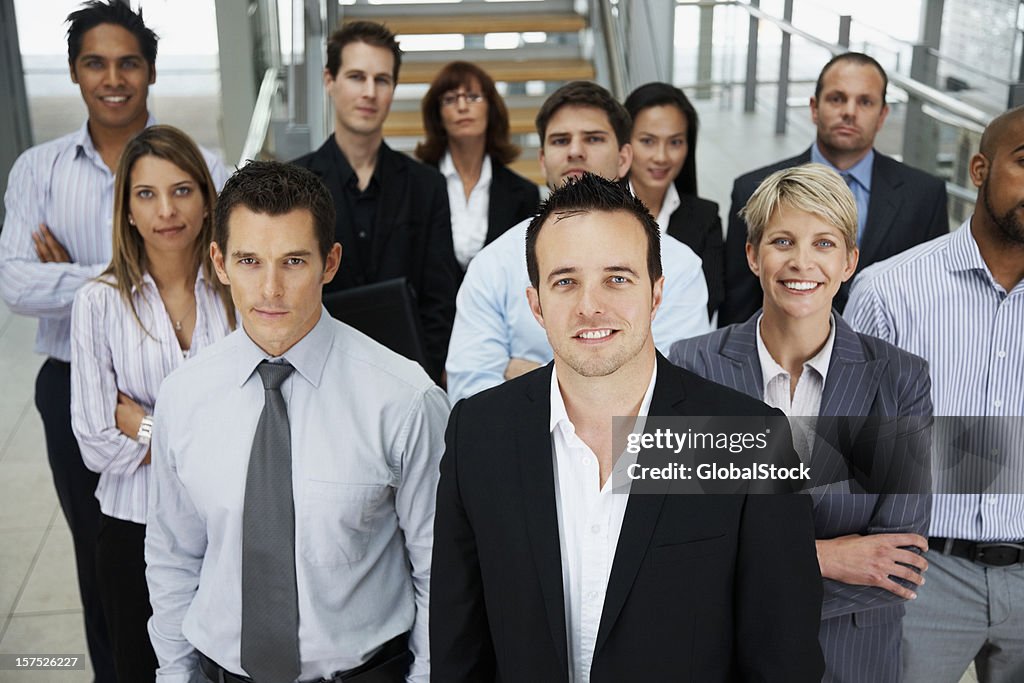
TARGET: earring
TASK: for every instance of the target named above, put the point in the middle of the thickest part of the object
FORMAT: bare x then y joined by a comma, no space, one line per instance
131,221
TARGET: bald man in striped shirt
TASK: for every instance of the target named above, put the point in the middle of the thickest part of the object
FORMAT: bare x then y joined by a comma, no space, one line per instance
958,301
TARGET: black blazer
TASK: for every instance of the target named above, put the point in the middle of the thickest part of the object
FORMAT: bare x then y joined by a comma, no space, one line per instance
513,198
703,587
696,224
907,207
412,238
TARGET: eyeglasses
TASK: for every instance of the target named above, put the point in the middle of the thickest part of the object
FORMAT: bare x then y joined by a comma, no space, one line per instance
452,98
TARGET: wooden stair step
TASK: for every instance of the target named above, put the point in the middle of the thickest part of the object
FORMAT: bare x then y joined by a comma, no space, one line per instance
410,123
508,70
528,167
549,22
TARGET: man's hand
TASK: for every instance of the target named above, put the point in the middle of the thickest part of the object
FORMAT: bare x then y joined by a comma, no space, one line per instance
128,416
519,366
872,559
48,248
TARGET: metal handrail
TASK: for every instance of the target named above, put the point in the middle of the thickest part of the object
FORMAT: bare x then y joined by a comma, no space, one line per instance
613,44
259,124
967,67
916,88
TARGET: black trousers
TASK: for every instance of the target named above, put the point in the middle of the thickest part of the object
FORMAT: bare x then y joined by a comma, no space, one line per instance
76,488
121,572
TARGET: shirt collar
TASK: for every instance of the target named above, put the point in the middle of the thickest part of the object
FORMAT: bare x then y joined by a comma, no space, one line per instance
819,362
308,356
669,205
84,144
963,253
559,415
860,171
447,169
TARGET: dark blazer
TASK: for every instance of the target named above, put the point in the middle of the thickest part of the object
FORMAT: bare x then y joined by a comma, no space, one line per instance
696,224
906,207
412,238
513,199
860,628
703,587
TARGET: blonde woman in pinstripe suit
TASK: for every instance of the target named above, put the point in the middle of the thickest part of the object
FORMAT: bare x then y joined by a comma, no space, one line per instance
797,355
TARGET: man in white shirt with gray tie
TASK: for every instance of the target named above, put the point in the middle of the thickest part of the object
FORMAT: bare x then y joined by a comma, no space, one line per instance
326,576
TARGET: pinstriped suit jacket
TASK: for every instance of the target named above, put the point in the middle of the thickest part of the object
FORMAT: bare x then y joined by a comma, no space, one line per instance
860,628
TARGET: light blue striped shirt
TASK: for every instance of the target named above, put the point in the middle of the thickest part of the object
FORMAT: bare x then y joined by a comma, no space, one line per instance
64,184
111,352
940,301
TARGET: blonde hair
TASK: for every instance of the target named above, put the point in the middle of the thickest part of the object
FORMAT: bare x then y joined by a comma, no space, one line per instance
814,188
128,262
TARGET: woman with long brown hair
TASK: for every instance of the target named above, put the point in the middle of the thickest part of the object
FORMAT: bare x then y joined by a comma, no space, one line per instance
467,128
156,304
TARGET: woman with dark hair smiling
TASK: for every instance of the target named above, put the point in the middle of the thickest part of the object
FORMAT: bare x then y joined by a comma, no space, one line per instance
664,177
467,129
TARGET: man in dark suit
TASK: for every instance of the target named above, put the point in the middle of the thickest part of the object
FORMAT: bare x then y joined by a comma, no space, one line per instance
898,206
392,212
541,572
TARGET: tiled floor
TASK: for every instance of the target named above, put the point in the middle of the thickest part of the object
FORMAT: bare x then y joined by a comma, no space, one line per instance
39,608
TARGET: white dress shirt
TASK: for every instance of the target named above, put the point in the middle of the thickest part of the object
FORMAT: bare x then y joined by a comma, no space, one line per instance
806,400
367,434
589,520
669,205
469,216
66,185
110,352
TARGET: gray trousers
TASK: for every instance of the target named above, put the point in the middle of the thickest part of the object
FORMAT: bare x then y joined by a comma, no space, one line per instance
965,612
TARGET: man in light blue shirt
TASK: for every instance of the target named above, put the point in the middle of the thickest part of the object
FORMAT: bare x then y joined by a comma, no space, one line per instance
898,206
958,302
495,337
57,236
348,523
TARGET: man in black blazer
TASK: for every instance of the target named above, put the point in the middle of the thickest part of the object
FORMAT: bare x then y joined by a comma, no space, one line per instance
898,206
392,212
540,571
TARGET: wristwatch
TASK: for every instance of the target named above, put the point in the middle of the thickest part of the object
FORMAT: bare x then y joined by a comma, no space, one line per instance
145,430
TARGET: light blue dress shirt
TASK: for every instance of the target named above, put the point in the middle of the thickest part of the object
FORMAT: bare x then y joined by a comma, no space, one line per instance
858,180
367,434
66,185
493,321
940,301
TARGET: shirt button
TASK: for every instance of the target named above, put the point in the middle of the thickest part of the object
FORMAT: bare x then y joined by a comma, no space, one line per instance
995,451
592,595
362,234
991,500
596,529
997,403
585,460
1001,354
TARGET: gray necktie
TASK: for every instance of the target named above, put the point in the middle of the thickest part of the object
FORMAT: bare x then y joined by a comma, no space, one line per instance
270,609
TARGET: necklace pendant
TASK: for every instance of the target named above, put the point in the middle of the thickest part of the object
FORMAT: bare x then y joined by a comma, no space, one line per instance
177,326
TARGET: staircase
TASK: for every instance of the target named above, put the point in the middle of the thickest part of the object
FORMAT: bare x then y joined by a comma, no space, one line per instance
547,49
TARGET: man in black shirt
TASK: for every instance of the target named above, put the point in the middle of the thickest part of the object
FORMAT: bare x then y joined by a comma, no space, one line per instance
392,212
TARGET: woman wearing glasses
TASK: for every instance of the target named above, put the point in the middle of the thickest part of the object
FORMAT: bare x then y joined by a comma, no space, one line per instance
467,130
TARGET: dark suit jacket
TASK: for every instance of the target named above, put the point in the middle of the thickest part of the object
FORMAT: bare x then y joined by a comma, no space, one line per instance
866,377
906,207
513,199
696,224
412,238
703,587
